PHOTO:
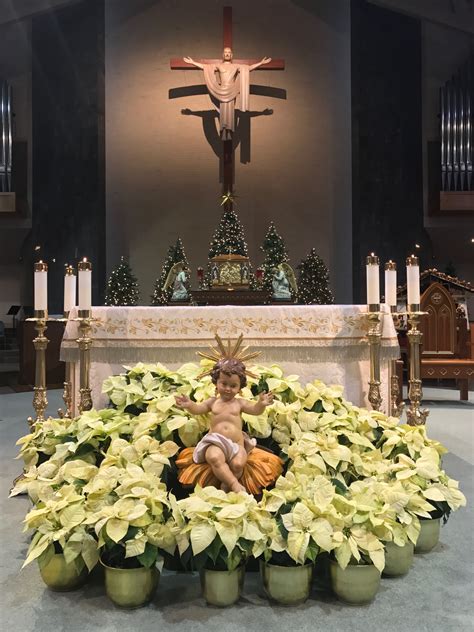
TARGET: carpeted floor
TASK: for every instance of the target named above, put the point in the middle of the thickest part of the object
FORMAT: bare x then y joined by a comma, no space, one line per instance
435,596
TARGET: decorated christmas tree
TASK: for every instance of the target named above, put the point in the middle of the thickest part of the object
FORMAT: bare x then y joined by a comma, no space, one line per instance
122,286
313,281
228,239
229,236
275,253
175,255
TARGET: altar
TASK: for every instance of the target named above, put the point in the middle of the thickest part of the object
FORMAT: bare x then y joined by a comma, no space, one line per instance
328,342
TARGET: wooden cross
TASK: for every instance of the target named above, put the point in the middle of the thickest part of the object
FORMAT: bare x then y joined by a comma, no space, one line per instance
228,149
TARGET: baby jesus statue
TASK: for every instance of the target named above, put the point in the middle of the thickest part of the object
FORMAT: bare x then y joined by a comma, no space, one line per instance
225,447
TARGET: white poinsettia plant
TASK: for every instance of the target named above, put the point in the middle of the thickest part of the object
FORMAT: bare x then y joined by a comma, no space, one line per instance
426,476
80,437
129,505
355,480
59,523
301,524
219,530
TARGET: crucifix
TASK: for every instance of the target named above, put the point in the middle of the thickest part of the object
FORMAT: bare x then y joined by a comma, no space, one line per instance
226,78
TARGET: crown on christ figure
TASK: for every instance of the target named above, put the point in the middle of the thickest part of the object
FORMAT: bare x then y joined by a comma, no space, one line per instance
225,355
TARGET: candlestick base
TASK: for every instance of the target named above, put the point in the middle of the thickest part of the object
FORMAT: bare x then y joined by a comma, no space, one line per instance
67,398
374,396
85,399
40,403
396,407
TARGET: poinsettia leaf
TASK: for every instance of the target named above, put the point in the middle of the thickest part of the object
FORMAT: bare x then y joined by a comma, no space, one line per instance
149,555
201,537
117,529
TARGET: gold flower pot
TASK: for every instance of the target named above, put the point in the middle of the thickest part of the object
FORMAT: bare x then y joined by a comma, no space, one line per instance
429,535
287,585
398,559
222,588
355,584
60,576
130,587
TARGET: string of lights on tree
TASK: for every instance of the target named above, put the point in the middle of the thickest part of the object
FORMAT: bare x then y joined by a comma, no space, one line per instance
122,286
276,253
313,281
175,255
228,239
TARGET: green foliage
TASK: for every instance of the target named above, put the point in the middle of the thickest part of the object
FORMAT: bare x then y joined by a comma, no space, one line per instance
175,255
122,286
313,281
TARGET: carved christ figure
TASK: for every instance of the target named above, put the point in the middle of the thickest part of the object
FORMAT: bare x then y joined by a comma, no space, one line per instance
225,81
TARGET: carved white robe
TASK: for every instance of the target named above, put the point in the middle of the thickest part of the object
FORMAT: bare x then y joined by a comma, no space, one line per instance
225,86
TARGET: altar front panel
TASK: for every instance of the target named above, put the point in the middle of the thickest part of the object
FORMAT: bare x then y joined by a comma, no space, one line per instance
328,342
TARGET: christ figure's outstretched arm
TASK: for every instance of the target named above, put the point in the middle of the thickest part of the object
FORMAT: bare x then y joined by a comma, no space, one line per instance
265,60
189,60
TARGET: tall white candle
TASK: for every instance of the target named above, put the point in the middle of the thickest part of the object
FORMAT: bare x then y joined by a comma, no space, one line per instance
41,286
413,280
85,284
391,283
69,288
373,282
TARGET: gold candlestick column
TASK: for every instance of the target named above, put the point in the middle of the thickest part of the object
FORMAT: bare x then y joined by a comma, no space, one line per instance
374,336
84,342
396,409
415,416
40,401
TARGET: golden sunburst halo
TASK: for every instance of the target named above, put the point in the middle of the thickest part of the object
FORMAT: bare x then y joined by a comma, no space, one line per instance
229,351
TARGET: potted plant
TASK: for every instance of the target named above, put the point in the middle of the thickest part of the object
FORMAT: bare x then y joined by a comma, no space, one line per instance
129,509
408,504
218,531
433,484
298,531
362,522
65,549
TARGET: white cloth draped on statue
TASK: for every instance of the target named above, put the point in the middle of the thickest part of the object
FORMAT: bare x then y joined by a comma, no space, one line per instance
328,342
227,92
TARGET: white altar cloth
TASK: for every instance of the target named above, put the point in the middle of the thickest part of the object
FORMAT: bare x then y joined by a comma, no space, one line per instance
328,342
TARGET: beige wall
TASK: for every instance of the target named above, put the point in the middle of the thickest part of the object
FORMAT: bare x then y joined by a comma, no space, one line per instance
162,175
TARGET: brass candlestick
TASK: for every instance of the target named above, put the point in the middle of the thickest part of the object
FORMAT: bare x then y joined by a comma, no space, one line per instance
374,336
396,408
415,416
40,401
67,384
67,393
84,342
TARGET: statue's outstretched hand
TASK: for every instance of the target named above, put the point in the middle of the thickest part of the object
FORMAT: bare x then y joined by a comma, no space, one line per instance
188,60
182,401
266,60
266,399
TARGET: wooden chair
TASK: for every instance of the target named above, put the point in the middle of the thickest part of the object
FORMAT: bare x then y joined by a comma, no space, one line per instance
446,347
